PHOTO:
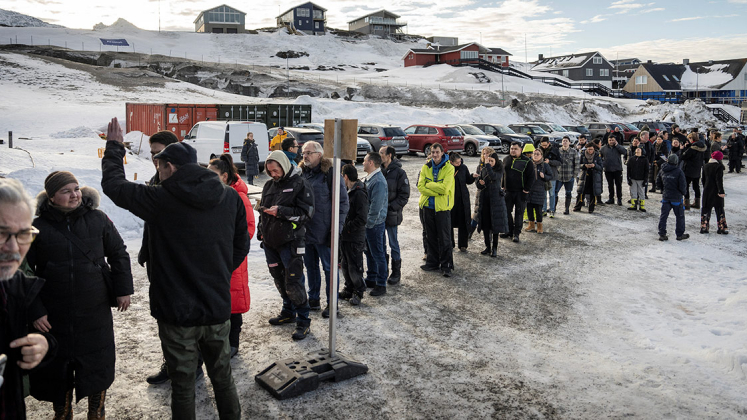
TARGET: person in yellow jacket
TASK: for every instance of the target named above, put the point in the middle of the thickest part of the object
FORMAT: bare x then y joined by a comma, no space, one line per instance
277,141
436,186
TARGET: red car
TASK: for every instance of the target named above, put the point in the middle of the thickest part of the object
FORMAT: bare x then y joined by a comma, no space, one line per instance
629,131
421,137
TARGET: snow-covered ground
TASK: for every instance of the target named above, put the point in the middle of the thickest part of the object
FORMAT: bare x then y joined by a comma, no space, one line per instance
595,319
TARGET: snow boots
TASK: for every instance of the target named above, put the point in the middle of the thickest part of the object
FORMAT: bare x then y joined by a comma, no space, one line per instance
396,274
96,409
687,204
530,228
704,223
642,205
633,204
696,203
567,205
722,228
64,411
539,228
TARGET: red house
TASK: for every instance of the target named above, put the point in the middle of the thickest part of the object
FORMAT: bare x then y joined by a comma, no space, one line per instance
497,56
445,55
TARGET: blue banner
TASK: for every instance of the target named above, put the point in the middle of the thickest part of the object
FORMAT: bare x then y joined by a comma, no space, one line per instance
115,42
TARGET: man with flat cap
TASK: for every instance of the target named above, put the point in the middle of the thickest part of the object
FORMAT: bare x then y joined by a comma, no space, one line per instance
197,238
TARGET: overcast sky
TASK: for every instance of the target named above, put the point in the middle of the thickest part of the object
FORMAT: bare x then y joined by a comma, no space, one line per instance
662,30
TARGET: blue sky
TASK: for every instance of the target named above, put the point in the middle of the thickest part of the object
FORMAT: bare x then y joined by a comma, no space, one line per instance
661,30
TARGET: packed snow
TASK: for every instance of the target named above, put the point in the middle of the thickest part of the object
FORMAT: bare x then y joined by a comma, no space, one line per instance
713,77
595,319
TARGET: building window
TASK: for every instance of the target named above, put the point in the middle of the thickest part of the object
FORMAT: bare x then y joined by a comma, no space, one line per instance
316,25
589,72
641,80
665,77
318,14
468,54
300,23
378,28
676,79
303,12
597,60
410,57
604,72
565,73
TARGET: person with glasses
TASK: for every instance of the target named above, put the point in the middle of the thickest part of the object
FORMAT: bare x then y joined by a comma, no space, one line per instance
291,148
17,291
85,264
250,157
517,182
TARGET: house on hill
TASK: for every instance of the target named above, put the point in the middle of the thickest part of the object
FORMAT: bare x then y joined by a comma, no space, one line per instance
308,18
624,69
589,67
656,81
459,54
444,41
221,20
382,23
497,56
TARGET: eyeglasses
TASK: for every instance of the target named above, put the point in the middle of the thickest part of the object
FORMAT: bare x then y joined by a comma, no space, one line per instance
309,153
23,237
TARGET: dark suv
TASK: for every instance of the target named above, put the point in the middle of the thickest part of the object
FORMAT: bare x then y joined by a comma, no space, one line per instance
384,135
655,127
536,133
421,137
504,136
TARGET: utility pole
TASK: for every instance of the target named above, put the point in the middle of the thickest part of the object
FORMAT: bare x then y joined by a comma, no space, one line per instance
287,75
159,16
526,57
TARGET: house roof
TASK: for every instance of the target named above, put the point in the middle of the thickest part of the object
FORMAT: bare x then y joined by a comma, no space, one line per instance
213,8
498,51
316,6
668,76
378,13
623,60
711,75
565,62
443,50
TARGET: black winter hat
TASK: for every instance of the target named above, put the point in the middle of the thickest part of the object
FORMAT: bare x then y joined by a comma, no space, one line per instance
673,159
178,154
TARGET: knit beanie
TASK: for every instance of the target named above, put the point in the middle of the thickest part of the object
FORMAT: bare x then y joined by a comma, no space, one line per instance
56,180
673,159
717,155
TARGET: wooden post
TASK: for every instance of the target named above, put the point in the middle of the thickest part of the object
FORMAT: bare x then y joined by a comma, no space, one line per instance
10,139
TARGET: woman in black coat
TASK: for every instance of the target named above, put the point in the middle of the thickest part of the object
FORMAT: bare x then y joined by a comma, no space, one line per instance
713,194
460,214
250,157
492,217
538,192
76,297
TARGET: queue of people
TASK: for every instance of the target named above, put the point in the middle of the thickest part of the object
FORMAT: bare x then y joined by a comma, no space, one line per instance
198,229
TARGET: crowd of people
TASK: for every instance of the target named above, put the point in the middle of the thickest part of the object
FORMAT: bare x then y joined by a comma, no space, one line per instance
62,271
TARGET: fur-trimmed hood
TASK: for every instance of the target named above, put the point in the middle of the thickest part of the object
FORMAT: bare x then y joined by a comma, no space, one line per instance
90,198
325,165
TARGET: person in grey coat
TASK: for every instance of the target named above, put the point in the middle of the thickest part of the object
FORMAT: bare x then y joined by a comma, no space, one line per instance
491,215
543,174
612,154
250,157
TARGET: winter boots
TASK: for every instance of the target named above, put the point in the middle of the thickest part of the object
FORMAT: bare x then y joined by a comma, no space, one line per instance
530,228
96,406
567,205
539,228
633,205
642,205
610,201
687,204
696,203
722,228
65,410
396,274
704,223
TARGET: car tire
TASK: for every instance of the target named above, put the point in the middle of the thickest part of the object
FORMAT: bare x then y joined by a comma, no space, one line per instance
427,150
470,149
505,148
359,160
399,156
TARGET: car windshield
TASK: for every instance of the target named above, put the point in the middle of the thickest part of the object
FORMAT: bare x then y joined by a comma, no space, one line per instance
631,127
303,138
556,127
471,130
536,129
450,131
504,130
394,132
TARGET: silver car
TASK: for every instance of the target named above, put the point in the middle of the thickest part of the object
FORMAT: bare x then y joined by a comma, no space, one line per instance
384,135
474,139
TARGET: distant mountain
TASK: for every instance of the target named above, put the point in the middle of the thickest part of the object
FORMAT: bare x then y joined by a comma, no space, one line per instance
9,18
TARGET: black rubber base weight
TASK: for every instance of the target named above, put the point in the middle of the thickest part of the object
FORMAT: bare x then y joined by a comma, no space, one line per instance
290,377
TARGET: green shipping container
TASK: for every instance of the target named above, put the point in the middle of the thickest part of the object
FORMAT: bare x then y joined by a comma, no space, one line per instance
273,115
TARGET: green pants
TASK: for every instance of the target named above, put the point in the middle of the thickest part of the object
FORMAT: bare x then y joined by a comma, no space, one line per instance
181,348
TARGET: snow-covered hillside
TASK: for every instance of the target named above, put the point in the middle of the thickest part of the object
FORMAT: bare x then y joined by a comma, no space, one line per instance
11,18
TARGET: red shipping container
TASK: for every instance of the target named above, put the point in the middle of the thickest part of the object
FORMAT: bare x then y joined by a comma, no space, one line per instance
177,118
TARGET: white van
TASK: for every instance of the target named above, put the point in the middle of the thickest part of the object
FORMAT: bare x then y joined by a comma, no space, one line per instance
213,138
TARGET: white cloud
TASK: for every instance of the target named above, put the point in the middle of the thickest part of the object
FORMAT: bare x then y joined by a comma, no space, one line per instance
656,9
595,19
667,50
628,5
703,17
738,1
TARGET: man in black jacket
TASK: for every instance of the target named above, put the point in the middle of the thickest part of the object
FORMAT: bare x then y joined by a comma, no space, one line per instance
353,236
692,166
24,351
197,238
399,193
672,184
612,154
287,205
517,181
735,145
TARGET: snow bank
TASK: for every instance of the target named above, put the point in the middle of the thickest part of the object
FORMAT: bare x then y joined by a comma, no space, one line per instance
75,133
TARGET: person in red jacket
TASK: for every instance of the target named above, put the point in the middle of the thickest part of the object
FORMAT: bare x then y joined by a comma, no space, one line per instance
224,167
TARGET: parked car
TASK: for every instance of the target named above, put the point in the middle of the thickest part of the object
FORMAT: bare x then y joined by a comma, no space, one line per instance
421,137
384,135
313,126
474,139
503,136
212,138
536,133
364,146
599,129
581,129
653,126
302,135
629,131
557,130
